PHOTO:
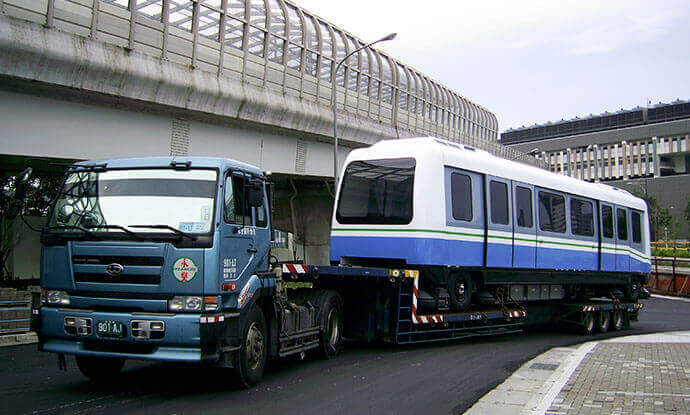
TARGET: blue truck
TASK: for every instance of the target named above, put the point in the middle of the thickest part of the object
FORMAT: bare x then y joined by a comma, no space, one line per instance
169,259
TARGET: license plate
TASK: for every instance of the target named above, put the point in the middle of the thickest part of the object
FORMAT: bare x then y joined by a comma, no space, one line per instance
110,328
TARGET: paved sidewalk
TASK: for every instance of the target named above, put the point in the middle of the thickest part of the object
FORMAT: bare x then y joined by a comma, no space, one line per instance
15,339
644,374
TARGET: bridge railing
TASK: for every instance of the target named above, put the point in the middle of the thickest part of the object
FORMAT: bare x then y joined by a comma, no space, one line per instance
276,44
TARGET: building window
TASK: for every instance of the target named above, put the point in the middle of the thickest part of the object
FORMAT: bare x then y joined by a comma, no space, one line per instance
581,217
499,202
461,194
523,197
551,212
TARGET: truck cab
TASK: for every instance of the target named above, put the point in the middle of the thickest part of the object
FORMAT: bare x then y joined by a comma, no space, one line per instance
159,259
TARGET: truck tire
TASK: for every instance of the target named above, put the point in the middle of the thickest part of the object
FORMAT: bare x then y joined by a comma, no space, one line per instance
460,291
250,359
617,320
588,323
603,321
331,335
99,368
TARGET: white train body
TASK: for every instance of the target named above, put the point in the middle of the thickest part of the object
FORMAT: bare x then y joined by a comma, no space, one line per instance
428,202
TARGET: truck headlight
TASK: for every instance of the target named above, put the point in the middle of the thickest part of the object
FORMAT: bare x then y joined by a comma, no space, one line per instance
185,303
55,297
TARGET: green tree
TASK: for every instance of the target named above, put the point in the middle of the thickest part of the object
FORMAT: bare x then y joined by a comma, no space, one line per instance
687,214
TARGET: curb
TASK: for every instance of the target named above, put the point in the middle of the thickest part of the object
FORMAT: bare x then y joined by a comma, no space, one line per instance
535,385
17,339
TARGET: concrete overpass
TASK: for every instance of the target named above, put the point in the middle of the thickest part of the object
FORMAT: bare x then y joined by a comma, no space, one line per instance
244,79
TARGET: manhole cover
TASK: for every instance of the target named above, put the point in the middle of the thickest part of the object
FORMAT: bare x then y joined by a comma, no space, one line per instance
544,366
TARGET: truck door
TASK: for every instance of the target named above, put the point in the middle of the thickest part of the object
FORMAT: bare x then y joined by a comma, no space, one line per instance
500,225
525,229
238,232
607,249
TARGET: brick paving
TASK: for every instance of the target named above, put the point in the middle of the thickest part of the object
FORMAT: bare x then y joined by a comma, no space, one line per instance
628,378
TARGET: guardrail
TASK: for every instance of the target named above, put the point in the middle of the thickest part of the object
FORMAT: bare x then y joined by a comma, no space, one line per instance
15,311
670,276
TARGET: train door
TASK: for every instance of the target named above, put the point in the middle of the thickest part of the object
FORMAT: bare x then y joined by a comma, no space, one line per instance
637,261
584,234
465,218
552,241
500,225
622,239
524,229
607,246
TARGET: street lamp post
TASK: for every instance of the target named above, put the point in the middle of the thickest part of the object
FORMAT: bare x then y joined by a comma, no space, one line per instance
333,101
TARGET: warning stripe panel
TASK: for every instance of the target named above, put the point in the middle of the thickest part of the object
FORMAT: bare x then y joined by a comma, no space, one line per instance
295,268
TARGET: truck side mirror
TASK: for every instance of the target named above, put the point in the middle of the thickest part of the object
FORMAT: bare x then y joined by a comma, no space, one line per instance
255,194
20,188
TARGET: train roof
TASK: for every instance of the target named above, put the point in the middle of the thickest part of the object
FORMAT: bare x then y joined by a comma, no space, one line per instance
472,159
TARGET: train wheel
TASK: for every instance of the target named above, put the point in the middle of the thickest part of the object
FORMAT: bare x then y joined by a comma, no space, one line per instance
588,323
617,320
603,321
250,360
332,326
460,291
633,291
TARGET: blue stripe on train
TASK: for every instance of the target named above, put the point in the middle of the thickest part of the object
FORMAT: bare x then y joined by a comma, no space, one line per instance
428,251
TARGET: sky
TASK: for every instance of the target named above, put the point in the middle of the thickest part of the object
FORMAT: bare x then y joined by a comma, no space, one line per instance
533,61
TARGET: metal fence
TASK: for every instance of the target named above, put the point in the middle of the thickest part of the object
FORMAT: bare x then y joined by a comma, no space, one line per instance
670,276
276,44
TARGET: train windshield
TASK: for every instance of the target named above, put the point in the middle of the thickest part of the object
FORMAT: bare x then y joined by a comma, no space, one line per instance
377,192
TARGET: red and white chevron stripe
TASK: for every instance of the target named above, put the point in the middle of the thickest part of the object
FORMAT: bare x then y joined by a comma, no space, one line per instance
295,268
432,318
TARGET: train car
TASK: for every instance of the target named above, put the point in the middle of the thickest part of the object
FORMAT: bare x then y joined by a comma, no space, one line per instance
481,228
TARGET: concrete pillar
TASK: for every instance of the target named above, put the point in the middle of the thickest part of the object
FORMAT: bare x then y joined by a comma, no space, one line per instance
614,160
569,162
624,153
655,156
595,152
561,156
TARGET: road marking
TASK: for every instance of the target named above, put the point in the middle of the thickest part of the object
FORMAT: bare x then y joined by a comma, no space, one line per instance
668,297
562,378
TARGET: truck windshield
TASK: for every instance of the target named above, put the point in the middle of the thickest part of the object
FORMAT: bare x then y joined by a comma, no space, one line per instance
112,201
377,192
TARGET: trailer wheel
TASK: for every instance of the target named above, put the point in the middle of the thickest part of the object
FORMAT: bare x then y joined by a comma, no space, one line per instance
331,335
603,321
588,323
250,359
617,320
99,368
460,291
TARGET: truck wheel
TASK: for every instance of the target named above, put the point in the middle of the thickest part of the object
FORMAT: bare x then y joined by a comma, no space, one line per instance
633,291
588,323
460,291
331,336
603,321
250,360
617,320
99,368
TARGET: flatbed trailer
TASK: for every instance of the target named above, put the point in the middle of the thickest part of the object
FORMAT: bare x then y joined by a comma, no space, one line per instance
380,305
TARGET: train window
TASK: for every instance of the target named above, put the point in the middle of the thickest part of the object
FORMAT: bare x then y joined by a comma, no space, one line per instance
461,193
523,197
636,227
607,221
499,202
551,212
581,217
377,192
622,219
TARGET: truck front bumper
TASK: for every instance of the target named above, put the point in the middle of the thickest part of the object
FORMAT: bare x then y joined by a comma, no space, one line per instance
185,337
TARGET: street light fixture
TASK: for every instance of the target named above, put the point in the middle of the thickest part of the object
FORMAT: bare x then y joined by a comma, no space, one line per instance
333,101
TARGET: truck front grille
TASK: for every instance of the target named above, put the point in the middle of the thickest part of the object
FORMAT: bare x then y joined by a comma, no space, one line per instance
120,279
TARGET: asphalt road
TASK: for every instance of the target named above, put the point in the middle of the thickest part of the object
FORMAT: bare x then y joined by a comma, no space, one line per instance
430,379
